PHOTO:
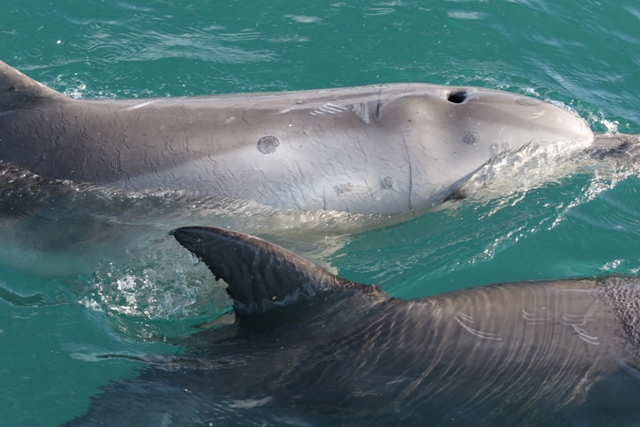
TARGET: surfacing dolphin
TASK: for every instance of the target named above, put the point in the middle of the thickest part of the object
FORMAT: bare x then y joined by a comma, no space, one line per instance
381,149
309,348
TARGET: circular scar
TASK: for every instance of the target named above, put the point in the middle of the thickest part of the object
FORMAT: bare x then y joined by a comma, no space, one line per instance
387,182
268,144
472,138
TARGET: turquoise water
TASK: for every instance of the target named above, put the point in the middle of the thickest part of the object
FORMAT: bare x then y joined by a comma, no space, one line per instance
584,54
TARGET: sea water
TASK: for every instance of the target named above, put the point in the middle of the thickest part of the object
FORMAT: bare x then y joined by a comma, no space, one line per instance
57,334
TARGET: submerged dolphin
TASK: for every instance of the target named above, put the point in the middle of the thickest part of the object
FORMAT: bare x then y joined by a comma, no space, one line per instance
376,149
309,348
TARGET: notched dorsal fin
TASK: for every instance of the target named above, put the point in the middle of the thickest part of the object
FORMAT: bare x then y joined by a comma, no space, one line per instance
18,90
260,275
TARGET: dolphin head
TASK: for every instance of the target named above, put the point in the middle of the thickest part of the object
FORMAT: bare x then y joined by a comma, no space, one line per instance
450,132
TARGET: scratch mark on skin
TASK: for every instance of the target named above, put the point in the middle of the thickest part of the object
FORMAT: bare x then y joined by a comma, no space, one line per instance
328,108
332,108
574,319
586,337
144,104
249,403
477,333
362,111
243,119
378,112
537,115
533,320
406,148
466,317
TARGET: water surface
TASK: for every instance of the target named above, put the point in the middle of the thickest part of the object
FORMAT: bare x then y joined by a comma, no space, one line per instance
55,331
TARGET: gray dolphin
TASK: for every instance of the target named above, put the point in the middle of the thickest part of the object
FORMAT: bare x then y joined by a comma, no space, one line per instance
310,348
381,149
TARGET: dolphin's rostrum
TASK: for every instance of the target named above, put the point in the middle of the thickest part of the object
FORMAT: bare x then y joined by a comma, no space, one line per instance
310,348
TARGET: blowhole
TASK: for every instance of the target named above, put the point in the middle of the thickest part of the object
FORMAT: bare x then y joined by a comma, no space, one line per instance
457,97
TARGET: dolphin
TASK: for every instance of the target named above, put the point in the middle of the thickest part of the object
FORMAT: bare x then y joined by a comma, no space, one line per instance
382,149
308,348
53,228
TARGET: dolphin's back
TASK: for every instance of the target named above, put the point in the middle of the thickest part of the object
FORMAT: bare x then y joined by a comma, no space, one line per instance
623,297
332,352
533,328
379,149
17,91
521,352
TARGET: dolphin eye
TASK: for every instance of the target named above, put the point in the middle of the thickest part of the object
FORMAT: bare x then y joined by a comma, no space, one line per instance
457,97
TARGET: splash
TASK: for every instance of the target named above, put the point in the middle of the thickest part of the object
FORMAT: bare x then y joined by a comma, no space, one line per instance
513,172
160,291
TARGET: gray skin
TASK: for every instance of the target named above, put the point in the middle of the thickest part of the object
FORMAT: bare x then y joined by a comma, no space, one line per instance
381,149
310,348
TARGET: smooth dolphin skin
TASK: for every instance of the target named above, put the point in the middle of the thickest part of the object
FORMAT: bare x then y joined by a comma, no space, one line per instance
381,149
308,348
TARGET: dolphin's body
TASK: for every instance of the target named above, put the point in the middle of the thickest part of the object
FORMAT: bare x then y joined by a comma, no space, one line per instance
376,149
309,348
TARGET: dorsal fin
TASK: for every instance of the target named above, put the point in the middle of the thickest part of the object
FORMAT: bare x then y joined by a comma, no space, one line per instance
20,91
260,275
